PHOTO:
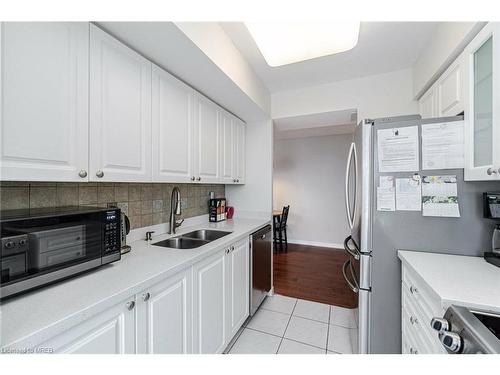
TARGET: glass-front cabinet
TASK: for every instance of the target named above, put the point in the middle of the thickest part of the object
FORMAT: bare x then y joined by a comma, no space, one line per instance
482,117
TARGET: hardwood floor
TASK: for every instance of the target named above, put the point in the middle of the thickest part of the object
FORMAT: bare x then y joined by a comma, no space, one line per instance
313,273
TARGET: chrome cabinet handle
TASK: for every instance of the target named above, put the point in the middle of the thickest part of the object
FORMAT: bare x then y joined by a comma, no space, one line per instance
413,320
491,171
82,173
146,296
413,290
413,351
130,305
99,173
227,251
232,248
193,178
198,179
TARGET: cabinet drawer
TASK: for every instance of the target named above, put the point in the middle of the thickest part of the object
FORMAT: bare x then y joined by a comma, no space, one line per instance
421,295
419,326
408,343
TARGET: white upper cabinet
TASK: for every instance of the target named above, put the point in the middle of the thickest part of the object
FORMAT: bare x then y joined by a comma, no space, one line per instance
450,89
232,148
240,151
44,95
120,111
173,128
482,132
206,168
428,103
447,96
227,149
79,105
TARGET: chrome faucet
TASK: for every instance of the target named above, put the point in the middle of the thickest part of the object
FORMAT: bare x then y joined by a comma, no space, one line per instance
175,209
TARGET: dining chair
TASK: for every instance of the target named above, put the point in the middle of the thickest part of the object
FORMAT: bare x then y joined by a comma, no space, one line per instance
280,229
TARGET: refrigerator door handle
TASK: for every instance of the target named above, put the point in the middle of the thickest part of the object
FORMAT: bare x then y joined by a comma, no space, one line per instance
347,170
353,252
354,287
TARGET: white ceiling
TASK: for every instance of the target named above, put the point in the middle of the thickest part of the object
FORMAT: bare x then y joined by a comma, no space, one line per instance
382,47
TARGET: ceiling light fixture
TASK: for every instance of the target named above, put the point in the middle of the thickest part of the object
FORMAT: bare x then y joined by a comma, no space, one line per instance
284,43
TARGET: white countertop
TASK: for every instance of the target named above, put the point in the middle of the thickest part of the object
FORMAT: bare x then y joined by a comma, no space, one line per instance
461,280
36,316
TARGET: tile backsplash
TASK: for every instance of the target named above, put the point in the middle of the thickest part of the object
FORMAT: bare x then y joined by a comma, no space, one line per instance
144,203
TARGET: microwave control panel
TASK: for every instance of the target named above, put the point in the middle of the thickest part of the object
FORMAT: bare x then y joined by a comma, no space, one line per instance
112,240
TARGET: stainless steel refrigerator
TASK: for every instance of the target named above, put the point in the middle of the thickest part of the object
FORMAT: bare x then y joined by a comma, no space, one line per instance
373,270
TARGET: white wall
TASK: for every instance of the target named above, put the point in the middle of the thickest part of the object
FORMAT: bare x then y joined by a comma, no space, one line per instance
446,44
254,199
388,94
309,176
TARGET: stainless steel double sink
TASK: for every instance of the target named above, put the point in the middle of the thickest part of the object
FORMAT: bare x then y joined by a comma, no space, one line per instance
192,239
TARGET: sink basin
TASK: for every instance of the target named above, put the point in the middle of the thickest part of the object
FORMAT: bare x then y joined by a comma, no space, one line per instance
206,234
192,239
181,243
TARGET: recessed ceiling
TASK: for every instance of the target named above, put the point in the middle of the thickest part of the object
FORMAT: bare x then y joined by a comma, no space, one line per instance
382,47
315,125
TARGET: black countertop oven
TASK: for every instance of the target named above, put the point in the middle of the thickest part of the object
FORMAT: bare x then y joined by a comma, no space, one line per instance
41,246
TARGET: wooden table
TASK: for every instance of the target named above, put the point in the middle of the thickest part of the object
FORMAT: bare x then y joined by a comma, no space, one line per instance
277,213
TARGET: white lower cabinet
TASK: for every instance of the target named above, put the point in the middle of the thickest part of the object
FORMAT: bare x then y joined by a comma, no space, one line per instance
198,310
237,306
221,298
209,304
164,317
418,307
109,332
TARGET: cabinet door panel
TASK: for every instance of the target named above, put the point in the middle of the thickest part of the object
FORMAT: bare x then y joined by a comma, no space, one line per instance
166,316
110,332
172,128
240,151
209,305
45,77
482,132
227,147
450,91
238,287
120,107
427,104
207,139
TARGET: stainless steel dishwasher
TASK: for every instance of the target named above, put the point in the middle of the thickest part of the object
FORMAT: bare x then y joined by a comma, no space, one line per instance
261,252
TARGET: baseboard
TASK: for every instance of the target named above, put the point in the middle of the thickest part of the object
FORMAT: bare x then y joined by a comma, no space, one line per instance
316,243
